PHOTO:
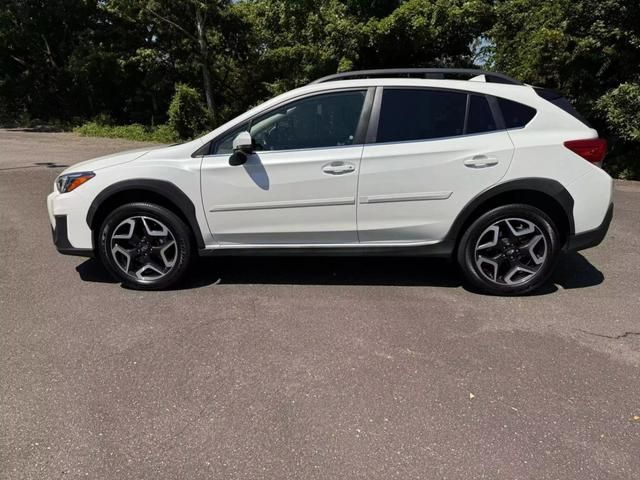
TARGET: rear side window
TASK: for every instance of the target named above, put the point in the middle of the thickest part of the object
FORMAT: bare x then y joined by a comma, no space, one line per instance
407,114
515,114
480,117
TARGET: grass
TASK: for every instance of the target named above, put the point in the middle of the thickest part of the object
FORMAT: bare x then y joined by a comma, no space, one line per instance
140,133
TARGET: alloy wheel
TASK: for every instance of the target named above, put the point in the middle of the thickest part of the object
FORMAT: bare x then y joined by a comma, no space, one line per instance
143,248
511,251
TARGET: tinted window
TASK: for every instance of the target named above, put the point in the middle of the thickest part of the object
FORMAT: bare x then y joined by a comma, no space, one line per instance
480,116
225,143
327,120
420,114
515,114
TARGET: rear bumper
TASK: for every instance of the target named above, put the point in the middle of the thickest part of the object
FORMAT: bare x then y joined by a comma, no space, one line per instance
60,234
593,237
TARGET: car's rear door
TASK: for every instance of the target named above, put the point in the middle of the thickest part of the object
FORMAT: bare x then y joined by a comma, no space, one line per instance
431,152
299,188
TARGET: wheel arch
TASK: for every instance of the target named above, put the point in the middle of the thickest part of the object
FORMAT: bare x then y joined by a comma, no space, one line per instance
548,195
161,192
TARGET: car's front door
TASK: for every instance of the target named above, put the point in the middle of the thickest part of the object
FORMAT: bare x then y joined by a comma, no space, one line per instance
299,187
432,152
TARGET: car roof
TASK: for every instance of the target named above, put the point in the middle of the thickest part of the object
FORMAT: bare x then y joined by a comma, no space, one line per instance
430,73
520,92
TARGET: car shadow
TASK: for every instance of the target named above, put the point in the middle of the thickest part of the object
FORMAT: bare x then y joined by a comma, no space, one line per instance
91,270
573,271
243,270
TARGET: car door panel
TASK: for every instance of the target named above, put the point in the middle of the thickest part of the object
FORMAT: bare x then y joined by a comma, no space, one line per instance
412,191
299,187
283,197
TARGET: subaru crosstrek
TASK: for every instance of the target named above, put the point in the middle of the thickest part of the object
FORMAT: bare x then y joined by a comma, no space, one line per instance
464,164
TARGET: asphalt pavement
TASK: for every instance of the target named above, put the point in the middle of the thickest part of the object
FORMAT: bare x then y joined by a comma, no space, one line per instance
272,368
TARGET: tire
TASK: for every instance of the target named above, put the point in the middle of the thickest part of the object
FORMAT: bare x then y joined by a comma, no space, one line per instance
510,250
145,246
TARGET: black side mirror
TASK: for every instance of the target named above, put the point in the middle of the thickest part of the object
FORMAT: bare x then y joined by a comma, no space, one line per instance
237,158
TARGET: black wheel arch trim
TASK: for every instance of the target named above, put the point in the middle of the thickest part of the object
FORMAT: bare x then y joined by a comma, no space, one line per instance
163,188
552,188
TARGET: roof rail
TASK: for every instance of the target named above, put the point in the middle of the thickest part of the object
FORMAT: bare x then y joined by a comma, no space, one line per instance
430,73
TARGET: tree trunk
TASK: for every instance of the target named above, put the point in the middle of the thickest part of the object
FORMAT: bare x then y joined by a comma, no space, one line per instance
204,59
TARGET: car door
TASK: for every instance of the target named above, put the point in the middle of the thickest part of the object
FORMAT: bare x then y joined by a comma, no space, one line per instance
299,187
431,152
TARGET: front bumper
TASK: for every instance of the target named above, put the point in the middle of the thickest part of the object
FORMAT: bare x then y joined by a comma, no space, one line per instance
60,233
67,213
591,238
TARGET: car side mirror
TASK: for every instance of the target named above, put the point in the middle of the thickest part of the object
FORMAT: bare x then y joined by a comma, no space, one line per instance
242,148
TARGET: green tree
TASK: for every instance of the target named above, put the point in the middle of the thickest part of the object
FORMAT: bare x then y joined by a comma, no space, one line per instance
584,48
425,33
187,115
200,37
298,41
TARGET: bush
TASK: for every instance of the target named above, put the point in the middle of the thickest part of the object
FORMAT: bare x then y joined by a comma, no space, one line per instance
159,134
619,108
187,114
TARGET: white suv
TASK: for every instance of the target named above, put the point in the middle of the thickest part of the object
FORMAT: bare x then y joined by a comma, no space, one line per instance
480,168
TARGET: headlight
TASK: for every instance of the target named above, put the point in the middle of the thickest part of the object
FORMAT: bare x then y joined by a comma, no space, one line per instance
71,181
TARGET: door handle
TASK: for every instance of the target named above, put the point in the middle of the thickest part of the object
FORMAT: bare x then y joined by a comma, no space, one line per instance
338,168
480,161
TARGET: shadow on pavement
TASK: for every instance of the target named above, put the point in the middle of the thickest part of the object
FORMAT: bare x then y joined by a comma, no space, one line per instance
39,129
304,271
573,271
50,165
91,270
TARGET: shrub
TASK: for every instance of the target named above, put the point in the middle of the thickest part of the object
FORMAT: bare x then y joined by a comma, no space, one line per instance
187,114
159,134
619,108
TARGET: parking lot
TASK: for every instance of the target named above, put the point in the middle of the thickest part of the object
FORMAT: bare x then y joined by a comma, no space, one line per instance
272,368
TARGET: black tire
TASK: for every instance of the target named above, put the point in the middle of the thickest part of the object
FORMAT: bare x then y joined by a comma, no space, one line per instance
506,269
151,260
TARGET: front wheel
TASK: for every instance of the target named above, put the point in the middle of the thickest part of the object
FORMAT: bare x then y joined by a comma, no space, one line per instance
510,250
145,246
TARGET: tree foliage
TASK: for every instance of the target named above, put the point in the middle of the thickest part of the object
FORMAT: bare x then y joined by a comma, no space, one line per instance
75,60
585,48
187,115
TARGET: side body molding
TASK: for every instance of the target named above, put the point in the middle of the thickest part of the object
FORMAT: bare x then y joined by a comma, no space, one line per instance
160,187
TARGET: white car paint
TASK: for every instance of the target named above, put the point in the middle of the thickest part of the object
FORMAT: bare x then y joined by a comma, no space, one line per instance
411,192
404,193
282,197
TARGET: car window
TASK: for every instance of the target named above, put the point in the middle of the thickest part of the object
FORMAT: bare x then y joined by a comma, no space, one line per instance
327,120
515,114
224,145
408,114
480,117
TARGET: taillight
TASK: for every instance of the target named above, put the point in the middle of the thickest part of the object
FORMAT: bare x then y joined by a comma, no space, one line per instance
592,150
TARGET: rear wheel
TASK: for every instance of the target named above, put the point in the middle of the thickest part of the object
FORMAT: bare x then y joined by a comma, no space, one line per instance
510,250
145,246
